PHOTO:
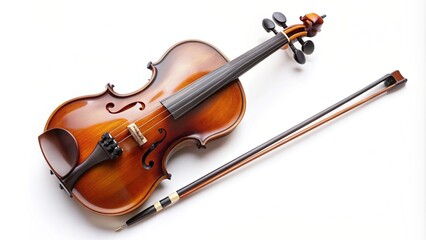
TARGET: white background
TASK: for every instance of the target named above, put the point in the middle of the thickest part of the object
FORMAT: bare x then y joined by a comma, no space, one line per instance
359,177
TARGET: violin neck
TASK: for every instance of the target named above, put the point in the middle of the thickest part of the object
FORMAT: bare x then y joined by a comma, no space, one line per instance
187,98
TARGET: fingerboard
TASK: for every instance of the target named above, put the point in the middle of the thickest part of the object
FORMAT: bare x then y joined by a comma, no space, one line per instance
187,98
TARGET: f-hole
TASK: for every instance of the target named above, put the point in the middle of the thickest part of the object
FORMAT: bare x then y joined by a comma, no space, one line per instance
149,165
139,105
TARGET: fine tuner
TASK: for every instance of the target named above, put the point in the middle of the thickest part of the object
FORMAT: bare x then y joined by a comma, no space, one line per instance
308,47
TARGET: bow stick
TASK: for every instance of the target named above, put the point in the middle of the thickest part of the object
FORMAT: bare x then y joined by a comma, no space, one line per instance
390,82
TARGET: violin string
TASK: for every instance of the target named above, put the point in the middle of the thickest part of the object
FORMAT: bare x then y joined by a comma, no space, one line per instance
274,45
192,85
272,49
146,114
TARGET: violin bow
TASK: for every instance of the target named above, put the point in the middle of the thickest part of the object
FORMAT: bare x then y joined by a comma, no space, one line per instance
391,81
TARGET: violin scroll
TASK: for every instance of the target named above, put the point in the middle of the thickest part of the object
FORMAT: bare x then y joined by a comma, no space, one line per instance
313,23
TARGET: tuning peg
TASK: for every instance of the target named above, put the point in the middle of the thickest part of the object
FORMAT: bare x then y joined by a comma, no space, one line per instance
279,19
300,58
308,47
268,25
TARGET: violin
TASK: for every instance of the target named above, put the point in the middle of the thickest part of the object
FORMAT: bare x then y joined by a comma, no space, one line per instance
109,151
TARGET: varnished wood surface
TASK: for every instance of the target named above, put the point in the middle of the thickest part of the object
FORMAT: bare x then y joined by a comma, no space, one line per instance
119,186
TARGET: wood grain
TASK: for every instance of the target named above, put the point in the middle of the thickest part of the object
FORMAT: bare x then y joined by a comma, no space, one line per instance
119,186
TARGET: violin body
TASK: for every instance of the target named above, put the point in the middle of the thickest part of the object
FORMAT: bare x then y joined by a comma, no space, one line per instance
121,185
109,151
